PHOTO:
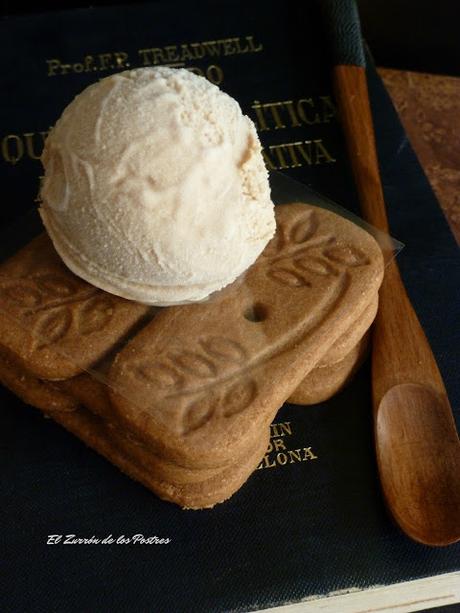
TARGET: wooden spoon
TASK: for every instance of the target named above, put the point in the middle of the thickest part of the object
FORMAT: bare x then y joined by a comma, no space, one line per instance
417,446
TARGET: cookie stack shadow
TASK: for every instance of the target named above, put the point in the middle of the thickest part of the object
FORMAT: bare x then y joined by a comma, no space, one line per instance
181,398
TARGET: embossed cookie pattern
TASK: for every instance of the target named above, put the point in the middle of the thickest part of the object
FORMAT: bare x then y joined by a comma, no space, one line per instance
217,368
55,322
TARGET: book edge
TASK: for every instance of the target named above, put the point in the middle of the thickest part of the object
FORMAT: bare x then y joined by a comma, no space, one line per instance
407,596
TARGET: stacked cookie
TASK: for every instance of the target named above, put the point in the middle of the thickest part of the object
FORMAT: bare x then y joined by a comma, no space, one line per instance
189,392
340,363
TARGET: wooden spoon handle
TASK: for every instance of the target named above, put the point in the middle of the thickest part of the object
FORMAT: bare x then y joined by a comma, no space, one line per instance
417,447
352,97
401,353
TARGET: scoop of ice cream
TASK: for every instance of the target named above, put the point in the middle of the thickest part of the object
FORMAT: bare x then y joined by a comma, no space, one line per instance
155,188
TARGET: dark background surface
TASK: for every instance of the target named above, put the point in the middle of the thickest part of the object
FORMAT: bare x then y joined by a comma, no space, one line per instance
421,35
431,29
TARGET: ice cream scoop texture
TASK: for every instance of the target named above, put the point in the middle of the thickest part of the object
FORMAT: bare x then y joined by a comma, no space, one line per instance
155,187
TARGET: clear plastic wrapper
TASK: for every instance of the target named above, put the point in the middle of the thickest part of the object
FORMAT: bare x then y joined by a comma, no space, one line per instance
181,397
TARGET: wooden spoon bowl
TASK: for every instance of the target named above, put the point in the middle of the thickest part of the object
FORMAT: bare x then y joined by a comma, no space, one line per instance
418,455
418,450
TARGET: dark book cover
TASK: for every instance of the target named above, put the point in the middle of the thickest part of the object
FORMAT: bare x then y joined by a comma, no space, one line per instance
311,520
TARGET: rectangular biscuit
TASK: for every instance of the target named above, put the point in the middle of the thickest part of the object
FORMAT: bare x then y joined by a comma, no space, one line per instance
201,380
57,397
323,382
52,322
33,391
191,396
130,459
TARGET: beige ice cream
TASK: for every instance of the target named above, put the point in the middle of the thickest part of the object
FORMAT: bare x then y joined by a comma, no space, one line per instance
155,188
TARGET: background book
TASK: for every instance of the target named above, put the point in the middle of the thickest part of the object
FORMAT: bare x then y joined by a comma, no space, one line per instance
296,530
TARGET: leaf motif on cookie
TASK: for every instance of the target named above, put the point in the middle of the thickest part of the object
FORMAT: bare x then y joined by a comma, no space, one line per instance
275,245
316,265
291,257
194,364
285,276
348,255
198,413
51,327
224,349
160,375
186,373
239,397
21,293
95,314
304,228
55,286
